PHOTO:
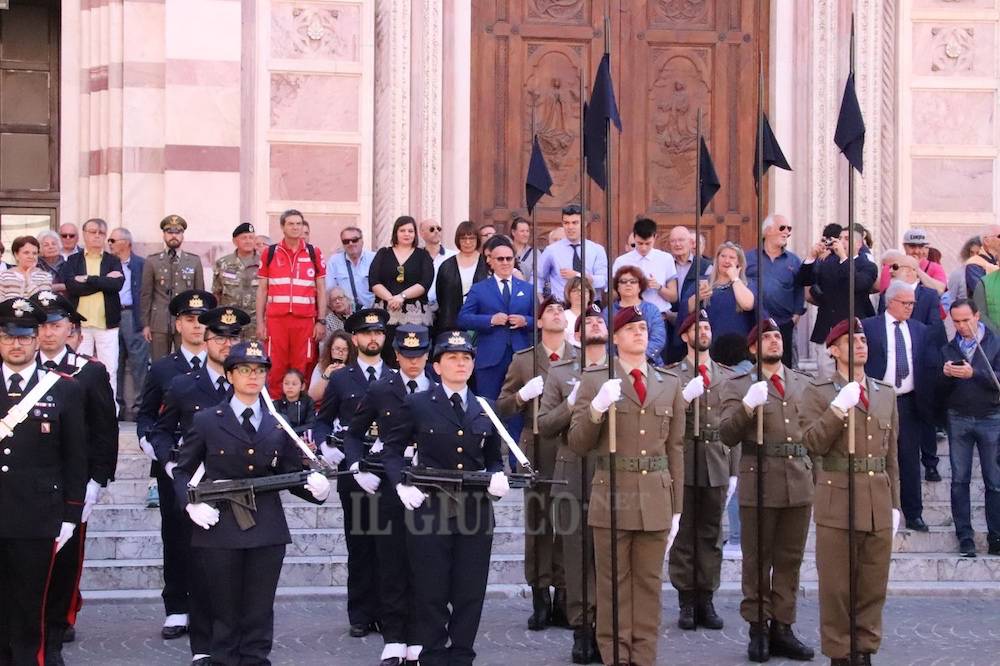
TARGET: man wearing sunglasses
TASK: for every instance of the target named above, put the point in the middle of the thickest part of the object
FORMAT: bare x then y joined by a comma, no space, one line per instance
430,234
69,238
348,269
784,297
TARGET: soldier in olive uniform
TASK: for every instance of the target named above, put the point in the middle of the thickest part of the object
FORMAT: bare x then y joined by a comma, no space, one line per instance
649,436
707,490
826,404
234,282
525,381
787,493
569,509
164,275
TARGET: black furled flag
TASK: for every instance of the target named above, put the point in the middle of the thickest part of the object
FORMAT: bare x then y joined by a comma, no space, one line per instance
538,182
602,108
709,179
773,156
850,134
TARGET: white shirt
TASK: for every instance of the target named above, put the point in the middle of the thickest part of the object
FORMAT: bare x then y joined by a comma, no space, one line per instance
658,265
510,283
571,327
25,376
422,382
364,368
213,376
890,357
188,355
57,359
463,393
238,408
467,273
443,253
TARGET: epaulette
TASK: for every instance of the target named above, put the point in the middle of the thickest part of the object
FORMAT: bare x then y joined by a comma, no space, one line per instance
741,374
596,368
821,381
805,374
662,369
563,362
881,383
670,366
523,351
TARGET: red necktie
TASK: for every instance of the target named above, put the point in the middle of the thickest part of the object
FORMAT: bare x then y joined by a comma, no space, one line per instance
864,398
776,380
639,385
703,371
553,356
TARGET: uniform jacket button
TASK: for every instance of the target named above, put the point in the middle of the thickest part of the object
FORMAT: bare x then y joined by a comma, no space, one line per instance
4,469
460,433
789,438
459,450
459,466
249,468
6,452
642,452
644,472
642,411
642,432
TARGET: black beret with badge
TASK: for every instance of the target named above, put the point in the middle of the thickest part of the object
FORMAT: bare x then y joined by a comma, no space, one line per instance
245,228
227,320
243,353
19,317
453,341
173,223
412,340
368,319
192,301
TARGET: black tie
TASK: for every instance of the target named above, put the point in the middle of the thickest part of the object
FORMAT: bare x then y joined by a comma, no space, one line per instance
15,384
506,293
222,388
456,402
172,253
50,364
371,374
412,385
247,423
577,262
902,363
195,363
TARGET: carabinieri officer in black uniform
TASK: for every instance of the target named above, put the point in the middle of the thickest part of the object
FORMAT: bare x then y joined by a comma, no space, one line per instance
189,394
239,439
43,476
382,406
450,537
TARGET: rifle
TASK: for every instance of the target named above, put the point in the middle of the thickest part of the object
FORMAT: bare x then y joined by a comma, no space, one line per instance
241,494
459,480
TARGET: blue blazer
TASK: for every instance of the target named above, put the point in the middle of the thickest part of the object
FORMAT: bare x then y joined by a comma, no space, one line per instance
924,353
136,263
484,300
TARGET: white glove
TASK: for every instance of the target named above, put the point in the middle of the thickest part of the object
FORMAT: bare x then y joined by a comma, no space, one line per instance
499,486
169,469
368,482
147,448
895,522
675,526
65,532
731,490
377,446
90,499
203,515
694,389
331,454
756,395
848,397
318,485
531,390
410,496
611,392
571,398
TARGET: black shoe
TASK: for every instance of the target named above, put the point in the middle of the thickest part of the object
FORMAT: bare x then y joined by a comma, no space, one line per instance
558,617
70,634
866,659
706,615
53,647
541,613
375,627
994,545
686,618
595,652
202,661
967,548
917,524
931,474
360,630
759,649
170,633
392,661
582,652
840,662
785,644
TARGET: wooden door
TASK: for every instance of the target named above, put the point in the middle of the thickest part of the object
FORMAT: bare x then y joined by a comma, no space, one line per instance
669,58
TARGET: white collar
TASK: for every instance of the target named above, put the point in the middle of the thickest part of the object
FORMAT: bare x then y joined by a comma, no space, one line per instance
188,355
462,393
8,372
238,407
364,367
57,359
213,376
422,382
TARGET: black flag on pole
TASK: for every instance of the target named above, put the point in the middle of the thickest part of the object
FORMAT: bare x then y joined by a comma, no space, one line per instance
602,108
850,134
773,155
709,178
538,182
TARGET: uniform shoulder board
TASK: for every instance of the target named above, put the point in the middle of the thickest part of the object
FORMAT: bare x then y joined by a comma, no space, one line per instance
820,381
596,368
563,362
523,351
666,370
881,383
803,373
670,366
739,374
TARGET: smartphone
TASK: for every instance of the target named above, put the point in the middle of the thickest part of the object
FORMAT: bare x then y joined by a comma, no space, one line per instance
961,362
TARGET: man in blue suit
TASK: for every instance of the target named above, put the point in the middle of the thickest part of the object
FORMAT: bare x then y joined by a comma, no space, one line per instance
133,350
500,310
899,354
927,309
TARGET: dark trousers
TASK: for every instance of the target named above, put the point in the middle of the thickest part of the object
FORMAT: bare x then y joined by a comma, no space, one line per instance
25,567
360,514
241,584
450,545
966,433
63,600
705,531
394,581
788,342
910,439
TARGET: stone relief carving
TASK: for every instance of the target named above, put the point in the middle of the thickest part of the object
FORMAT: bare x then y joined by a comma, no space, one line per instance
560,10
311,33
553,94
953,49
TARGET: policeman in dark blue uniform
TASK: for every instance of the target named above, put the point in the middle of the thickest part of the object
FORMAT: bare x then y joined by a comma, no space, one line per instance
340,402
43,477
450,536
239,439
381,406
175,529
101,427
189,394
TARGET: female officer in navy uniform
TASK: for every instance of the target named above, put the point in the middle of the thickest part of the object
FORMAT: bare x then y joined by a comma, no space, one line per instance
239,439
450,537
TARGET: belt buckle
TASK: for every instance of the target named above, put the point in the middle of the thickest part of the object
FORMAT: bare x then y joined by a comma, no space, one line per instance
644,464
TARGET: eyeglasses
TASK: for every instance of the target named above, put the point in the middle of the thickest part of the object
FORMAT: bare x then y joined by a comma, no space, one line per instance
224,339
112,241
785,227
628,281
906,304
247,370
433,229
92,232
503,259
20,339
67,235
350,241
338,298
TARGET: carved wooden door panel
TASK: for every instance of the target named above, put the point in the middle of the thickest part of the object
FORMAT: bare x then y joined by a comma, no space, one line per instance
668,58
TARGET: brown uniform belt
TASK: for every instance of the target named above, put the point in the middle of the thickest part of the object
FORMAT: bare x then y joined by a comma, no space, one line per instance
777,449
861,465
642,464
706,434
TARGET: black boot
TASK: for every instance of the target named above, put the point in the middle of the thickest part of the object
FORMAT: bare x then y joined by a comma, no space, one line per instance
706,615
541,603
686,617
840,662
785,644
582,645
759,649
595,652
558,617
864,659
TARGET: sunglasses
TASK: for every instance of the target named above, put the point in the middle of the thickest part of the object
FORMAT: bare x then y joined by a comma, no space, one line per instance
785,227
433,229
350,241
628,281
67,235
112,241
503,259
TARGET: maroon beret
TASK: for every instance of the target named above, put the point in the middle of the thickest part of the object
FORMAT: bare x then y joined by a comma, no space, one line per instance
690,319
841,329
593,310
546,303
626,316
765,326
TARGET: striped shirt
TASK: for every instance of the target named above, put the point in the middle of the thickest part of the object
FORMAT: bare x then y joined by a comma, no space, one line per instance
14,283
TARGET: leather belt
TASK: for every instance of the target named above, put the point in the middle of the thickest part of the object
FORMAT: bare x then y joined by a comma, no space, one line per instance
777,449
861,465
707,434
634,464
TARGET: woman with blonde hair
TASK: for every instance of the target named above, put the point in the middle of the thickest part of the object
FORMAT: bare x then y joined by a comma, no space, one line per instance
726,296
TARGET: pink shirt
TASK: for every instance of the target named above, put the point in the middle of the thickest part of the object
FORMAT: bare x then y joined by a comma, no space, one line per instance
933,269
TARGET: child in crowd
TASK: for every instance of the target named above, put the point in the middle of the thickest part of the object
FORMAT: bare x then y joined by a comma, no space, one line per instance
297,407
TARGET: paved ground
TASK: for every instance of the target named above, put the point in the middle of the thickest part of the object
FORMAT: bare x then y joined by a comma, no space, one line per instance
919,630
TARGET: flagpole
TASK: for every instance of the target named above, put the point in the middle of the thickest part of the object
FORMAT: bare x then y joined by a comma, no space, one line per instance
760,317
584,305
534,339
697,355
851,556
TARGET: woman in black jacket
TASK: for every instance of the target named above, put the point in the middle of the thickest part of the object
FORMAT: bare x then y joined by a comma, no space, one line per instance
457,274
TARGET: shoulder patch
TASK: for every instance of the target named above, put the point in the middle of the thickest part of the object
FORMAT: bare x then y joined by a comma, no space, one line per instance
881,383
820,381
